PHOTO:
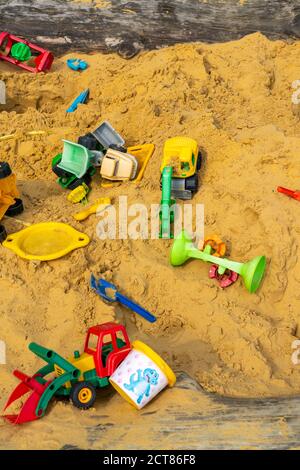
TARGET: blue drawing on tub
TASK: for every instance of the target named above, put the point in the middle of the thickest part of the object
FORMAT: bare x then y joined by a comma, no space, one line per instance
141,385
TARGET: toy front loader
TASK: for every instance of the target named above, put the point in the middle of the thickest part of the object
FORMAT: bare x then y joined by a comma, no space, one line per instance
41,389
75,165
76,378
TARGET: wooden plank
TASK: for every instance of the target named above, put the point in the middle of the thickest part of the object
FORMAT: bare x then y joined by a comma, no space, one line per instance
185,417
129,26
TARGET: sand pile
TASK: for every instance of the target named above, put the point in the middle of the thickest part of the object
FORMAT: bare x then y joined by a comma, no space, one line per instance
235,100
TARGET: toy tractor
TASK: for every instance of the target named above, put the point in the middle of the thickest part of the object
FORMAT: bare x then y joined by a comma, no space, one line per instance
182,154
78,378
10,204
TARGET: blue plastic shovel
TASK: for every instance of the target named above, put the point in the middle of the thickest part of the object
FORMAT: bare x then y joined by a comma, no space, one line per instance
101,287
81,99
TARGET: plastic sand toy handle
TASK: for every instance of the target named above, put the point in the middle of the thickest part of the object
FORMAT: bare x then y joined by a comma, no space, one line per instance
81,99
289,192
101,285
224,262
135,307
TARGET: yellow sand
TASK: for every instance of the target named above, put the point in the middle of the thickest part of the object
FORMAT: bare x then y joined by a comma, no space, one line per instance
235,100
95,3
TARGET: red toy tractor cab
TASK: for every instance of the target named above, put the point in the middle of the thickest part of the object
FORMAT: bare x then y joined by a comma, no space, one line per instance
24,54
109,345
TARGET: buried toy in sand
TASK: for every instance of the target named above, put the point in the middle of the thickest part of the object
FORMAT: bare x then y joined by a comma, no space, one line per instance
134,370
251,272
10,204
103,148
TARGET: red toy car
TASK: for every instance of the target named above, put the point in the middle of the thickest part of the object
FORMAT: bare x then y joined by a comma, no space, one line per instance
40,58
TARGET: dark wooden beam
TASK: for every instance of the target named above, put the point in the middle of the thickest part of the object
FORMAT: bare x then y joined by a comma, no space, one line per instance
129,26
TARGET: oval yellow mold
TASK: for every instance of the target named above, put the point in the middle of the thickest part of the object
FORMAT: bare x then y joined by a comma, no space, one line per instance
45,241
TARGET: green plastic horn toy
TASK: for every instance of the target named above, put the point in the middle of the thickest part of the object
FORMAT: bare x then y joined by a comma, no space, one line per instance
252,272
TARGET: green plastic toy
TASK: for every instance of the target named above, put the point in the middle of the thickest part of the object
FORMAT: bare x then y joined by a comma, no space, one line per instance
251,272
166,213
20,52
75,165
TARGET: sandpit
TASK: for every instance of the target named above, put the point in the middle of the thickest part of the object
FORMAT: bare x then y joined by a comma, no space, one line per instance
235,99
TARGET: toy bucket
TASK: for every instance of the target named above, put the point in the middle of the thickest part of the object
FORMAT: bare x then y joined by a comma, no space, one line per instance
142,375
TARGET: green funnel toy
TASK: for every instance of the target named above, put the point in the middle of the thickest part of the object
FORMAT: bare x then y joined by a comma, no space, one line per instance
252,272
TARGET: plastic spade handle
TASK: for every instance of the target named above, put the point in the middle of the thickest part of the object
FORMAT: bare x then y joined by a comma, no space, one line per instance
289,192
135,307
224,262
101,285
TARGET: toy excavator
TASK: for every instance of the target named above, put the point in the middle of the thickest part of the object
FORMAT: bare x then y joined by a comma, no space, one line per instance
10,204
106,346
180,164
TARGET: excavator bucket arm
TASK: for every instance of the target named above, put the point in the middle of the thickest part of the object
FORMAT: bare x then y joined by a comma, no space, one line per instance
42,390
166,212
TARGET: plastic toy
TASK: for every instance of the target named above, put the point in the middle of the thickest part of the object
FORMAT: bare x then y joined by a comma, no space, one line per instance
166,212
45,241
110,293
98,205
182,154
289,193
142,375
213,245
104,137
103,148
252,272
77,64
106,348
226,279
16,136
10,204
142,155
75,165
78,194
81,99
77,378
21,53
118,166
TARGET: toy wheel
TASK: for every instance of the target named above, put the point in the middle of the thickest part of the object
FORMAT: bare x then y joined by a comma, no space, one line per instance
218,246
119,148
83,395
59,171
15,209
225,280
3,234
191,183
78,182
199,161
89,141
